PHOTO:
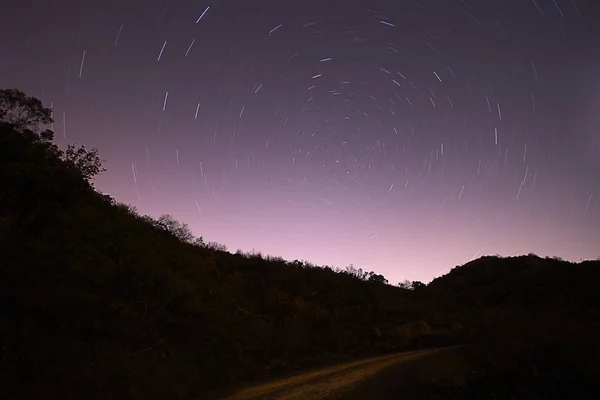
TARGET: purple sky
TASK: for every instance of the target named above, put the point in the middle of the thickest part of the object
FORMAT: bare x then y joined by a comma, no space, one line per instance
405,137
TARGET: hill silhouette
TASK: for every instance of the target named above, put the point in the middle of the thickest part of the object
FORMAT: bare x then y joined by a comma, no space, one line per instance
535,323
98,301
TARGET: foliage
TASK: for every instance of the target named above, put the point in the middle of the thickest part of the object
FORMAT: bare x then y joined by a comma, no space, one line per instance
22,111
169,224
25,114
216,246
414,285
359,274
86,162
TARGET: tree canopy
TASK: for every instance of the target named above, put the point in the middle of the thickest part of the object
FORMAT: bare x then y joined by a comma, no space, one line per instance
22,111
26,114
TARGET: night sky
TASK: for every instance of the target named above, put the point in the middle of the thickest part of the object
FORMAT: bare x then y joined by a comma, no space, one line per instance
404,137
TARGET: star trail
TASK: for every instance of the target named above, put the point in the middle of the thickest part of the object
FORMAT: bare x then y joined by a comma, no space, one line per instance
404,137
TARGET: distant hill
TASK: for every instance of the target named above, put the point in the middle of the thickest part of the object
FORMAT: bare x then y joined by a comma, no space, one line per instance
526,281
99,302
538,318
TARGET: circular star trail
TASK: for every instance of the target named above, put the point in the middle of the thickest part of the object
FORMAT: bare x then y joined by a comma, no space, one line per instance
404,137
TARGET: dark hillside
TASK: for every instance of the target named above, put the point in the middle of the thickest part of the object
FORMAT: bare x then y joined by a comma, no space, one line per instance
533,285
532,319
99,302
533,326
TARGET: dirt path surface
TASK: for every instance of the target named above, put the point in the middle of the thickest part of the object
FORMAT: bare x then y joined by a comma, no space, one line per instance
327,382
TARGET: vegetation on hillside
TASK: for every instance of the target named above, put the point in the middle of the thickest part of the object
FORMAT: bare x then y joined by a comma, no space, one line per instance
97,301
103,301
532,324
535,317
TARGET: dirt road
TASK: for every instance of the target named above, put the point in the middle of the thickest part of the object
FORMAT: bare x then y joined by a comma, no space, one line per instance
327,382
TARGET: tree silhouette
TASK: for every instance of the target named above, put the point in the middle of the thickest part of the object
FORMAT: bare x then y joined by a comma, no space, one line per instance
199,242
215,246
414,285
178,229
25,114
22,111
405,285
378,278
87,162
